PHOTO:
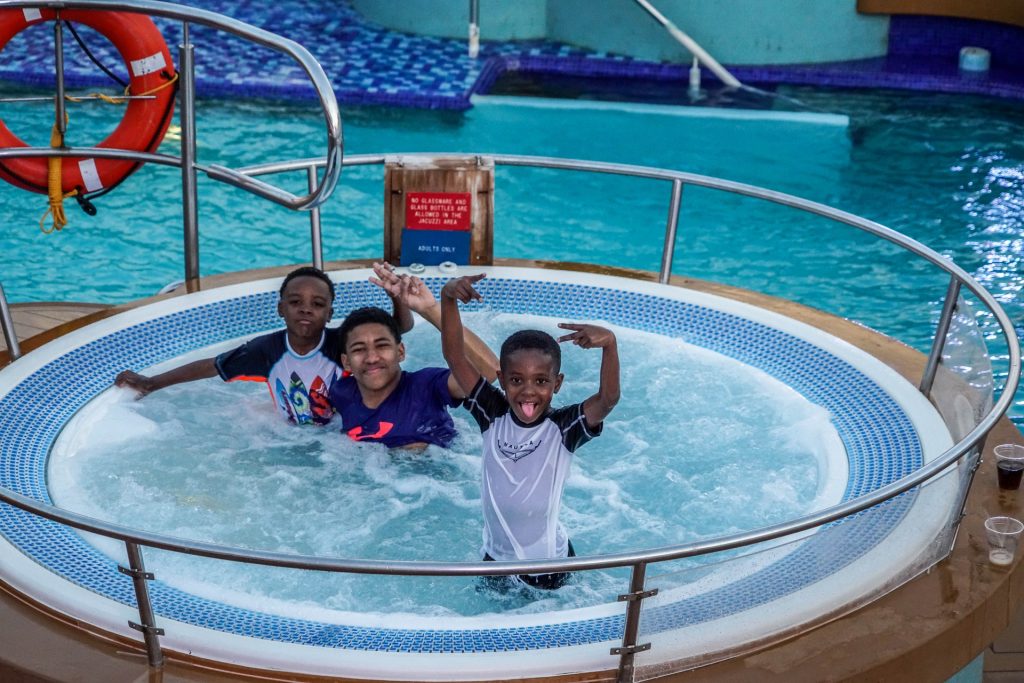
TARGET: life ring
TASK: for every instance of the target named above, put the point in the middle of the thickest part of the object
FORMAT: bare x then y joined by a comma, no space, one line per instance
145,121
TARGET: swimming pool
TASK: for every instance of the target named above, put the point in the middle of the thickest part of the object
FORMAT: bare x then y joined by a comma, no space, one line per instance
630,247
955,185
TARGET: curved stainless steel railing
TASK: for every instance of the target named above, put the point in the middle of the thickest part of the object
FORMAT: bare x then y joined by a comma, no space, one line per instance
638,560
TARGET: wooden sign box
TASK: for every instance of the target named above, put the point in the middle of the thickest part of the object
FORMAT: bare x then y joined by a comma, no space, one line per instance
435,204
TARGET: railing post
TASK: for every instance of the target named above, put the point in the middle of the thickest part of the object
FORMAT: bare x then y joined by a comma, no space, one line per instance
7,323
939,342
150,632
189,201
635,596
60,115
315,231
474,28
669,249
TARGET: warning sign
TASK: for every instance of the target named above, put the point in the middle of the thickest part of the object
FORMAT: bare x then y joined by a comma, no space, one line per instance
437,211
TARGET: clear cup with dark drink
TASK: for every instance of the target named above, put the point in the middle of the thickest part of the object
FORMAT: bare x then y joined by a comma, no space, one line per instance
1009,465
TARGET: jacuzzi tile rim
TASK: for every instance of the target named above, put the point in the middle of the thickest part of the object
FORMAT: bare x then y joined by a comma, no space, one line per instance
207,323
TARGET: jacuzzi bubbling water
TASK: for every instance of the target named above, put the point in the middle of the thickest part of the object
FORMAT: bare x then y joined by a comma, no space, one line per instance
700,445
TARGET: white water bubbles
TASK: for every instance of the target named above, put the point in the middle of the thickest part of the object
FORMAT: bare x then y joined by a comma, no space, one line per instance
699,445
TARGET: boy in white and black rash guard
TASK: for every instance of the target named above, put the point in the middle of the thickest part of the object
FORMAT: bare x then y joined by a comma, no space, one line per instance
528,447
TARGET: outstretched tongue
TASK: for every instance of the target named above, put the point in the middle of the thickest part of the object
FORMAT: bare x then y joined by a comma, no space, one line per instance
528,409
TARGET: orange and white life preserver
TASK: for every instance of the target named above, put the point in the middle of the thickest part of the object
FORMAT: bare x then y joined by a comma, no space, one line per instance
145,121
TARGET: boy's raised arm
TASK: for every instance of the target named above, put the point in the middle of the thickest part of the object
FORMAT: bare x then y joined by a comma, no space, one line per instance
396,287
597,407
417,297
199,369
402,315
452,344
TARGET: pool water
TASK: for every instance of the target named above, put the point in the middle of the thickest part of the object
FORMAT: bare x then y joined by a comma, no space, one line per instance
746,452
945,170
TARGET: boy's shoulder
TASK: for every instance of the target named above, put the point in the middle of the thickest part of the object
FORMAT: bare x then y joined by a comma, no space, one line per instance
275,344
566,415
425,375
270,338
572,423
255,355
344,390
429,382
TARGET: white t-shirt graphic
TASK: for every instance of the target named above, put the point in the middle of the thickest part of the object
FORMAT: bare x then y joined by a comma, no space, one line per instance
299,384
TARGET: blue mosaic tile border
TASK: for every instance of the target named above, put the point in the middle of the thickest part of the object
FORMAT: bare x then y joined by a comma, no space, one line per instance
368,64
881,443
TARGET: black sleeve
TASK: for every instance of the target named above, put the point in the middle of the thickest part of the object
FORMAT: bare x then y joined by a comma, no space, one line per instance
251,360
486,404
332,344
573,424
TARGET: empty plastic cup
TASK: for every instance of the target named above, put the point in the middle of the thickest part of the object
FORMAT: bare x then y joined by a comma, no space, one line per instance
1003,535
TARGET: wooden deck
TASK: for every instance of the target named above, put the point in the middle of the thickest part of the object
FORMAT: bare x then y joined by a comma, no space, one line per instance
36,318
41,322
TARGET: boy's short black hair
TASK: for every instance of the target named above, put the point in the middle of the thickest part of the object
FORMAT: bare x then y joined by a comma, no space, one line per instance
308,271
362,316
535,340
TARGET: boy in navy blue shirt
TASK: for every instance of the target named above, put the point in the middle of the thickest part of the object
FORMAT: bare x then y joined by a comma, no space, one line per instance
380,402
377,400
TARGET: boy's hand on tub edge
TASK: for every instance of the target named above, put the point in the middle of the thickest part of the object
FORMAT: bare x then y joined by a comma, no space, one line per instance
133,380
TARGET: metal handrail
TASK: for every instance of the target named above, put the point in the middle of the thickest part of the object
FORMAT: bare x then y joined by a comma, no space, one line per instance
318,78
945,320
698,180
699,53
230,176
418,568
637,560
473,45
318,193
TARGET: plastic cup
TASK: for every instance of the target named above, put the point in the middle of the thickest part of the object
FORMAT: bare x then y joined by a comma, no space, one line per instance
1003,535
1009,465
